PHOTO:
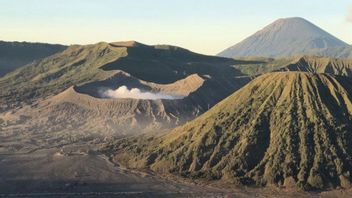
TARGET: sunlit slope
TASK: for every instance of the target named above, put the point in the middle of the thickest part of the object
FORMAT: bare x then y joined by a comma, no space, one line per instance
283,128
75,65
289,37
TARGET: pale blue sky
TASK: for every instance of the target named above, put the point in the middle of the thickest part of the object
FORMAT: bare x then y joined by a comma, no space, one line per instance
205,26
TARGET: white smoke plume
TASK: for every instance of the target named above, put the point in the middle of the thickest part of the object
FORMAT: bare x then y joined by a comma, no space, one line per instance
135,93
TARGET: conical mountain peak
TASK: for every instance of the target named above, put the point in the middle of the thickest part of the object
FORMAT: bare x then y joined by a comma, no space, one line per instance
285,37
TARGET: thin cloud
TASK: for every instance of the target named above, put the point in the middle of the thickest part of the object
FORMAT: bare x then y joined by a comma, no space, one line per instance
349,15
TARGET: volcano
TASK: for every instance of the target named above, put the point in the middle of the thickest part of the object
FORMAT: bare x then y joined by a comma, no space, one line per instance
59,99
291,129
290,37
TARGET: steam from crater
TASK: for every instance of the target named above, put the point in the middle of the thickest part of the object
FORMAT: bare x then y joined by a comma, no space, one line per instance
135,93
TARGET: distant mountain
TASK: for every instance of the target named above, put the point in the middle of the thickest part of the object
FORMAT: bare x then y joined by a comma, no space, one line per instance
290,37
314,64
335,52
340,67
16,54
62,95
291,129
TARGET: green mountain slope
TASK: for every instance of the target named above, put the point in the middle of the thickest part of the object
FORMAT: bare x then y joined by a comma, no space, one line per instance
16,54
75,65
283,128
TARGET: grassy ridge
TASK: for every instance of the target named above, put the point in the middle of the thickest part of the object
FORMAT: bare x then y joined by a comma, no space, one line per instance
341,67
52,75
16,54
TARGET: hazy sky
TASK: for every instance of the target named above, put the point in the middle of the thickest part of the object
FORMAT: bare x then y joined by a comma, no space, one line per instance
205,26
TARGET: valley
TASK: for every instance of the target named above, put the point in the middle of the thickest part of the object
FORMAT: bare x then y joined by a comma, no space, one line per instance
79,170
